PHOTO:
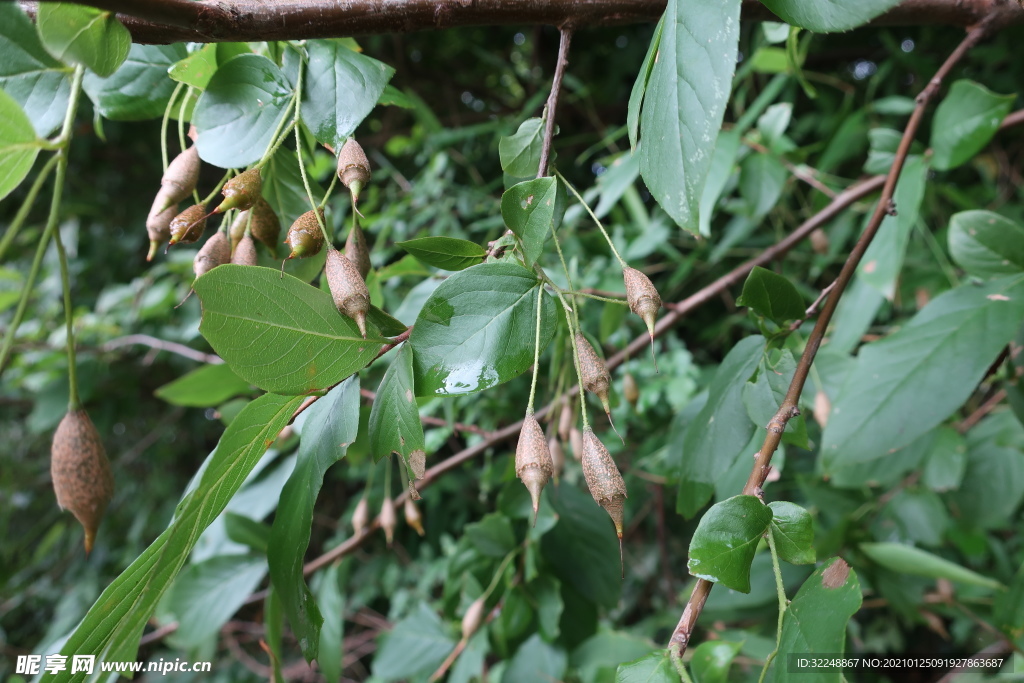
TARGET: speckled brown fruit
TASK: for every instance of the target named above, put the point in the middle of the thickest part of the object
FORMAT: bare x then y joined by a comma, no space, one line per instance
595,375
412,516
534,466
242,191
216,252
557,457
576,443
180,178
357,251
353,167
473,617
643,299
81,472
158,225
266,227
305,238
604,480
361,516
188,226
245,252
388,520
348,288
630,389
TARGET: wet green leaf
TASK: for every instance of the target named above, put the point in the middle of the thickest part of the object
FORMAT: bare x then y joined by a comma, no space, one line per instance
446,253
826,17
986,244
76,34
18,144
726,539
793,531
140,88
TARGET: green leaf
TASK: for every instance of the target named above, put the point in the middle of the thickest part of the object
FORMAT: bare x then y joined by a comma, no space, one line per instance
198,68
654,668
18,144
722,162
684,102
446,253
909,382
239,111
762,179
140,88
582,547
520,153
209,385
905,559
826,17
815,622
771,295
341,88
714,438
76,34
535,660
388,325
946,460
532,209
993,483
207,594
763,396
247,531
599,655
114,623
477,329
636,95
284,191
986,244
883,261
711,661
278,332
725,541
546,592
793,530
965,121
1009,611
332,605
416,646
395,425
492,535
327,429
36,81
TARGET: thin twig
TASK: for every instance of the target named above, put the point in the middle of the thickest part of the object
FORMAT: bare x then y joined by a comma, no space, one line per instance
565,37
163,345
984,409
795,171
789,408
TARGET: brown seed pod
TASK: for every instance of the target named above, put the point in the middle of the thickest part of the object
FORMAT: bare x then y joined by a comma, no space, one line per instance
353,168
534,466
158,225
595,375
576,443
237,229
388,521
266,227
473,617
81,472
604,481
348,288
412,516
242,191
557,457
216,252
630,389
305,238
360,516
180,178
245,252
188,226
643,299
566,421
357,251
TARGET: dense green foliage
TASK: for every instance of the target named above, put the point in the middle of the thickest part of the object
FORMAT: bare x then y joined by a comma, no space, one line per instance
891,517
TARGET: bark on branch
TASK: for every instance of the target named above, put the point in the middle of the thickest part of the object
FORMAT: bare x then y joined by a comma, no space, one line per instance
172,21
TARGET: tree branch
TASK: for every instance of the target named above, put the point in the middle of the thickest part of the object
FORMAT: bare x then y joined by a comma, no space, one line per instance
552,106
173,21
789,408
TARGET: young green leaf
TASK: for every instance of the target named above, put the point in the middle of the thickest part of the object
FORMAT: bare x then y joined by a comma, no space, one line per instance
477,329
331,602
763,396
520,153
140,88
835,15
492,535
76,34
446,253
654,668
793,531
304,345
726,539
395,425
965,121
327,429
986,244
18,144
906,559
771,295
711,661
209,385
36,81
532,209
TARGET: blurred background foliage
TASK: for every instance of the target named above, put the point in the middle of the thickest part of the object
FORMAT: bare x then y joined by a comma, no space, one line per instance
436,172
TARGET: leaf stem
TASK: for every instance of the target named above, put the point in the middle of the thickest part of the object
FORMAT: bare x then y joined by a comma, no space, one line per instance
597,221
780,589
302,164
209,198
607,300
164,125
536,350
26,206
284,127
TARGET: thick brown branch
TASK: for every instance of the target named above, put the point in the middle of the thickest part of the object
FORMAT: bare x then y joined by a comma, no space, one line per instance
552,106
789,408
172,21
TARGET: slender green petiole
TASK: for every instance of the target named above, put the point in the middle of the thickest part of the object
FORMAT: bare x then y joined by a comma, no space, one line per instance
597,221
536,350
780,589
26,205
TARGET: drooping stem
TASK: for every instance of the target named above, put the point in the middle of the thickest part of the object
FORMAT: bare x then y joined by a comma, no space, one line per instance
213,193
302,163
536,350
780,589
565,37
593,216
26,206
164,156
789,408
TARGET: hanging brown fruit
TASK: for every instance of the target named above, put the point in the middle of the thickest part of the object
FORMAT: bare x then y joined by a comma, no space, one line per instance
245,252
566,421
353,168
81,472
412,516
158,227
216,252
180,178
576,443
348,288
361,516
473,617
604,481
266,227
188,226
643,299
388,520
630,389
557,457
242,191
534,466
305,238
357,251
594,374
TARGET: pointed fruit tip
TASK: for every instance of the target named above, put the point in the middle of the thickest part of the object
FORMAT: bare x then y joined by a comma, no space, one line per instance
361,322
154,247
